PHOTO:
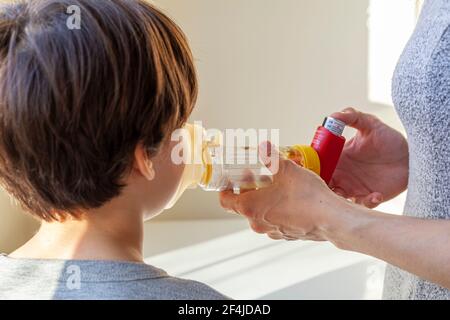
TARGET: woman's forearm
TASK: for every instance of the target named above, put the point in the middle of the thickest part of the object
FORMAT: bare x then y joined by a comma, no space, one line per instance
421,247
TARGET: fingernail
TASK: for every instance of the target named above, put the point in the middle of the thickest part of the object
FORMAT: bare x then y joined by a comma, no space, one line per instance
347,110
232,212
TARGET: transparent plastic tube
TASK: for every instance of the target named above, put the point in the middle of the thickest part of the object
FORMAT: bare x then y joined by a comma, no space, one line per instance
222,167
241,168
235,169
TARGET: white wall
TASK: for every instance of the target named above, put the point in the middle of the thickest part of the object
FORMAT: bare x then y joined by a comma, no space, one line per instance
15,227
285,64
264,64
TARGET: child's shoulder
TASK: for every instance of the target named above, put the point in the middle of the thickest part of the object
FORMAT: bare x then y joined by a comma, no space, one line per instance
183,289
73,279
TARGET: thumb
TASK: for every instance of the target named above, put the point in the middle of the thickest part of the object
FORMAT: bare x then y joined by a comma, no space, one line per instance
229,201
249,204
270,156
356,119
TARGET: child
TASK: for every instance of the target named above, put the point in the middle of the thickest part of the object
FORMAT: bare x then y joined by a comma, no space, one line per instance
86,114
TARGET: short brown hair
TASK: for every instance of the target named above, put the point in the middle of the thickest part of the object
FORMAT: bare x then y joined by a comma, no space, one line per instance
74,104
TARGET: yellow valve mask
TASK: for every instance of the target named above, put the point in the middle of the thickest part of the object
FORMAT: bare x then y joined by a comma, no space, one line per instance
196,170
204,162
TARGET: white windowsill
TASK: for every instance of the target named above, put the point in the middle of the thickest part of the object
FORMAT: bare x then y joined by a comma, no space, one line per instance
226,255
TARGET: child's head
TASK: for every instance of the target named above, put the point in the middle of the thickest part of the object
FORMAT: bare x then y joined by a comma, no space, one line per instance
83,110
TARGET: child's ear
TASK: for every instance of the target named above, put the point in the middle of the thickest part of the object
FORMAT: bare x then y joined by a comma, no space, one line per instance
142,162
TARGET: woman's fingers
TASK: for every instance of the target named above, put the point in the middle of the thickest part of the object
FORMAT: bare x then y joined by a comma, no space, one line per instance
240,203
261,227
275,235
248,181
228,201
269,156
356,119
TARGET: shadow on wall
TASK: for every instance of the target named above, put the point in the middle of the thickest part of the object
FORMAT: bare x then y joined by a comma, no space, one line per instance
347,283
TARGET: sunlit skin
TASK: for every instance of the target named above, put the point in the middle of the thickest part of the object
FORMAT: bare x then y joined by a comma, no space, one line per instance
300,206
115,230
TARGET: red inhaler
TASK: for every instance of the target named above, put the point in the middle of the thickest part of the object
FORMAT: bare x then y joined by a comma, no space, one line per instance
329,143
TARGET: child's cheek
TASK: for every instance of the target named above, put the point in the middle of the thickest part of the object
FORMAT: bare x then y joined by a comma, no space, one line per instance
167,177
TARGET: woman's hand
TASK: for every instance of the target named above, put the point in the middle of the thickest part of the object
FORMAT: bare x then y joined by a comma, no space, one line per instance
374,164
296,206
299,205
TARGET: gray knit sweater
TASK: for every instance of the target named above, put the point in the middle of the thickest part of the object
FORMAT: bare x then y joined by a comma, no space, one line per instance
421,93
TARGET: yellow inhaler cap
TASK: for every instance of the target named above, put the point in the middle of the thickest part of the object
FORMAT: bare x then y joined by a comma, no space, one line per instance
194,167
309,158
